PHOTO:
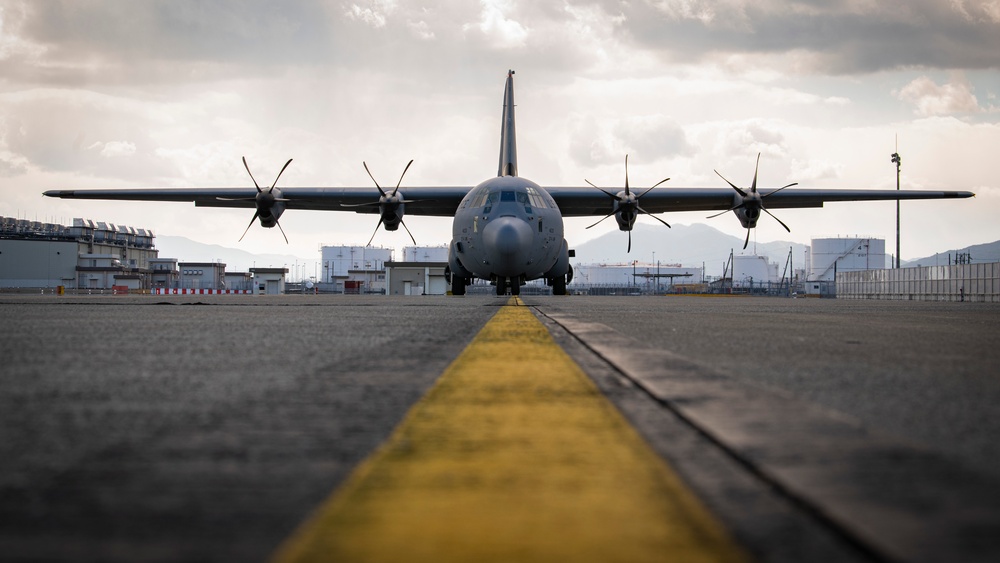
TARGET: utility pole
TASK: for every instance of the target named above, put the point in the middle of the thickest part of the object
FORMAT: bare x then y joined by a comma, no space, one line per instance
897,161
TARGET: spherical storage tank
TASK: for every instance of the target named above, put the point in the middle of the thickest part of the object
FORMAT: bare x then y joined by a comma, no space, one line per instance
849,255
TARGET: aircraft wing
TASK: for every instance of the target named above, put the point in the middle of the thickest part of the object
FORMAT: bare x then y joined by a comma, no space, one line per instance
587,201
444,201
432,201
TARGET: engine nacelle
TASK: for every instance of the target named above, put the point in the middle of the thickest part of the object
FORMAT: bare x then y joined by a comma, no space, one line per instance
626,210
625,219
270,206
392,214
748,216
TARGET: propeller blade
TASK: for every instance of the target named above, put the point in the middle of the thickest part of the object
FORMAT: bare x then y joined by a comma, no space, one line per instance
626,177
641,210
379,224
408,232
779,189
753,187
602,218
245,165
401,179
606,192
282,231
373,180
651,188
776,219
739,191
279,175
369,204
255,215
236,199
746,242
726,211
629,249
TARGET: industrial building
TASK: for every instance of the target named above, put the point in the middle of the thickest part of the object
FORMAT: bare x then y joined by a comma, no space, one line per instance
366,269
354,269
87,255
97,256
421,272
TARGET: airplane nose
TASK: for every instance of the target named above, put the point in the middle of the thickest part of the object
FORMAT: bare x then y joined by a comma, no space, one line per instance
508,235
509,240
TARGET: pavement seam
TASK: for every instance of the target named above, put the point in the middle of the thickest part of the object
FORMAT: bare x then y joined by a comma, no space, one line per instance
683,395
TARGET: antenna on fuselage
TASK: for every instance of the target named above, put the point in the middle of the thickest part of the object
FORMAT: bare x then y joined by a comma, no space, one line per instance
508,142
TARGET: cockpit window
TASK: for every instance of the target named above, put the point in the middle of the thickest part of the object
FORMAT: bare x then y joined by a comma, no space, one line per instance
491,200
531,198
479,199
535,198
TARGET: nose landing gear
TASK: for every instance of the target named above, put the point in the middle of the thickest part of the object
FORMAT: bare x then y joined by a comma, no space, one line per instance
505,284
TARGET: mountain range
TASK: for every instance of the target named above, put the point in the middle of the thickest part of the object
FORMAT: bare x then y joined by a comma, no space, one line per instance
236,260
687,245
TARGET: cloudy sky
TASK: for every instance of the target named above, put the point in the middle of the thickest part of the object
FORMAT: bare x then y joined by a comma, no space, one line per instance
173,93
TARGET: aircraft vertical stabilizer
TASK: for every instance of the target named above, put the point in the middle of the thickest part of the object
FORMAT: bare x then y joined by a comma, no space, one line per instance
508,142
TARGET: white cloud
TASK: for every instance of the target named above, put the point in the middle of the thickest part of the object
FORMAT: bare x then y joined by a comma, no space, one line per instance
946,99
502,31
421,30
375,14
811,170
114,149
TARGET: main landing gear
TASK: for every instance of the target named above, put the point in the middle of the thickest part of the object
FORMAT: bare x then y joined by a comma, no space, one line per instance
559,283
458,282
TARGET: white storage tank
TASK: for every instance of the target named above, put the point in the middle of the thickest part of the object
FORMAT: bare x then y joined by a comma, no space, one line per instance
753,270
425,253
849,254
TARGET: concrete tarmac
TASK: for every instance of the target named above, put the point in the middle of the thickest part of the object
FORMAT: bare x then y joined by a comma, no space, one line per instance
207,428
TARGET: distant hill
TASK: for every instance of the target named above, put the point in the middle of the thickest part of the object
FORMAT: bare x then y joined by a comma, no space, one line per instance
688,245
236,260
988,252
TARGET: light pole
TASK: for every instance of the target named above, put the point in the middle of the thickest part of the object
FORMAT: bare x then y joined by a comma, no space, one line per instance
898,162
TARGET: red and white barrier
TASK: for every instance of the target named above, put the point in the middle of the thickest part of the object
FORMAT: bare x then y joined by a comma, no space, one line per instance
176,291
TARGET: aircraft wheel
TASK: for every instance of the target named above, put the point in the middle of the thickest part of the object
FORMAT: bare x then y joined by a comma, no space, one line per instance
501,286
559,285
457,285
515,287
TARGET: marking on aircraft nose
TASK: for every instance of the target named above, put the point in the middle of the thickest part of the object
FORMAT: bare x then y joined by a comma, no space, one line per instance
513,455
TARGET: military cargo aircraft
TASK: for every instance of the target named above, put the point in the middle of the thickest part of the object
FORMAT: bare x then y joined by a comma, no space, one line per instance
507,229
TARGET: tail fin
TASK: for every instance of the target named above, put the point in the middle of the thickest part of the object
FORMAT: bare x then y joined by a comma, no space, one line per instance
508,142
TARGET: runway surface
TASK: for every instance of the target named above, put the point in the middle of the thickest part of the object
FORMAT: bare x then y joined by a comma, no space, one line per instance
211,427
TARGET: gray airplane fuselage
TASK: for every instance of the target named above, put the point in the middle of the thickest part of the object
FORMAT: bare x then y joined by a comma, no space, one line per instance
508,227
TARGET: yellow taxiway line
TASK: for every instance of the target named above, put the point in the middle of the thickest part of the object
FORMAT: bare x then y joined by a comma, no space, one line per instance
513,455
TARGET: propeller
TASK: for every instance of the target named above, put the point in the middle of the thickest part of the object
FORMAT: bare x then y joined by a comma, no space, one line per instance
266,202
627,206
389,204
752,203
